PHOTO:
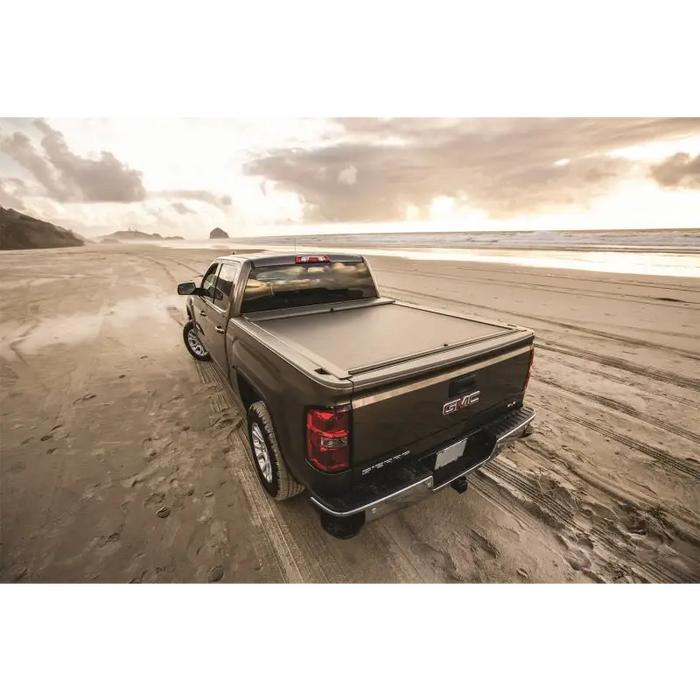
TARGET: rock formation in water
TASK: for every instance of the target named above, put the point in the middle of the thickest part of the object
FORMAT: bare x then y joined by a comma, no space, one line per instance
218,233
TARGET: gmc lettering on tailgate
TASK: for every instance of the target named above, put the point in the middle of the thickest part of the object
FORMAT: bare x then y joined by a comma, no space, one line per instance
461,403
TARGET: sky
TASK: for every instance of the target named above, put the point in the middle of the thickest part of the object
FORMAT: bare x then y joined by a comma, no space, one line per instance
257,176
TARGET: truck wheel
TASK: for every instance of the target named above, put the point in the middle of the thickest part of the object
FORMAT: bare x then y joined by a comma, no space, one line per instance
194,344
270,466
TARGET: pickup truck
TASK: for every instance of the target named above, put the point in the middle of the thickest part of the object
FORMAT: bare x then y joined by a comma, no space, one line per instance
366,403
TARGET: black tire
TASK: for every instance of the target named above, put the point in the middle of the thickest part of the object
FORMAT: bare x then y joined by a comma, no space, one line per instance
279,483
187,329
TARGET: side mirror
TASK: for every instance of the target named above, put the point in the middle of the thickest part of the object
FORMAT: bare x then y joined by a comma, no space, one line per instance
186,288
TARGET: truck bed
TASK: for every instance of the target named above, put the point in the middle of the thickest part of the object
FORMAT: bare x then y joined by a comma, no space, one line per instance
351,341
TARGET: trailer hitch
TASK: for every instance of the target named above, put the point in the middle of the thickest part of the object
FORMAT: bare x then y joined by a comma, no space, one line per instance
343,528
460,485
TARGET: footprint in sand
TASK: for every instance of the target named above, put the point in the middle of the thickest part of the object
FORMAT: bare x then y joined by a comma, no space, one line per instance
18,572
630,580
215,574
578,560
154,499
442,562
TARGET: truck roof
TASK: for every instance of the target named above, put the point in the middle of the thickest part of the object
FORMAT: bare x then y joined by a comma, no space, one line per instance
270,260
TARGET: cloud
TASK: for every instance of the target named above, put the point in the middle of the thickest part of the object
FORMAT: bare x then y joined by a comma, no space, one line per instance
68,177
195,195
156,216
12,193
181,208
468,171
348,176
678,171
504,167
19,147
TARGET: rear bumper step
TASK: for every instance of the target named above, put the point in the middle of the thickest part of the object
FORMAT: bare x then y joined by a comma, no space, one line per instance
421,481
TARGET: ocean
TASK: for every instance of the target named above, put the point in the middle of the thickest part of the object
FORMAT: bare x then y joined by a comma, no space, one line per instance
669,252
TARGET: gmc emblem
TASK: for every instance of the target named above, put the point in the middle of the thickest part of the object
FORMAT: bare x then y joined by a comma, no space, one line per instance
461,403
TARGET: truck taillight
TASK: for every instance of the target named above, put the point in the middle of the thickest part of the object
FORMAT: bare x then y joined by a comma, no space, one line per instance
529,369
328,438
301,259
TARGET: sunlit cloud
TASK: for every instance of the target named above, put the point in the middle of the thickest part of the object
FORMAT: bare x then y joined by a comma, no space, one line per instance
252,176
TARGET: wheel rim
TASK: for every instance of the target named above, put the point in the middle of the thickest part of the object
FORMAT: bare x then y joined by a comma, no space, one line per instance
195,344
262,456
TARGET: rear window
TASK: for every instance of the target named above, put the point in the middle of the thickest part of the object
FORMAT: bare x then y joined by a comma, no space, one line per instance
273,288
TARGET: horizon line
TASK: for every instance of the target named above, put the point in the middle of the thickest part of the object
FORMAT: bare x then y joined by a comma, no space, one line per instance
419,233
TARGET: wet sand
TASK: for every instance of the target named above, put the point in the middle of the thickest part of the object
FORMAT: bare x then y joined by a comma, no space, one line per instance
124,460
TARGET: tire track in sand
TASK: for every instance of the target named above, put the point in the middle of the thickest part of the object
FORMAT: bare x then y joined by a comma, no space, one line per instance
681,522
280,547
590,536
624,408
625,381
603,360
553,289
635,342
311,562
275,543
614,362
664,459
299,532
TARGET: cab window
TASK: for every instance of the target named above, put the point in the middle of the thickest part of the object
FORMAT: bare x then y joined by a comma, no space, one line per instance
225,285
209,280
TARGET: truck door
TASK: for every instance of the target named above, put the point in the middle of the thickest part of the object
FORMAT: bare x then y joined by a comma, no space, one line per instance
201,305
218,311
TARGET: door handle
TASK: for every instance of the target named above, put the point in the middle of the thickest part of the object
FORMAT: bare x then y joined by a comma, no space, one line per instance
220,330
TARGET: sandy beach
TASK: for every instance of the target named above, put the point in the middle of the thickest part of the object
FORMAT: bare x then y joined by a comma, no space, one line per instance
123,460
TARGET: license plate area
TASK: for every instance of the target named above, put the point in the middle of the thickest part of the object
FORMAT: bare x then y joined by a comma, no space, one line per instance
460,456
450,454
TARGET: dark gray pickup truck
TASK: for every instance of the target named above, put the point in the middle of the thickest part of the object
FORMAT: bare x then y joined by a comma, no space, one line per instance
367,403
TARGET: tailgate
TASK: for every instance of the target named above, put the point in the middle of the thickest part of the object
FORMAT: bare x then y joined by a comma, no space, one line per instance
428,411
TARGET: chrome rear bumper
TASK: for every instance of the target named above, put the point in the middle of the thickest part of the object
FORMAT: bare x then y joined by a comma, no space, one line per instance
505,431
